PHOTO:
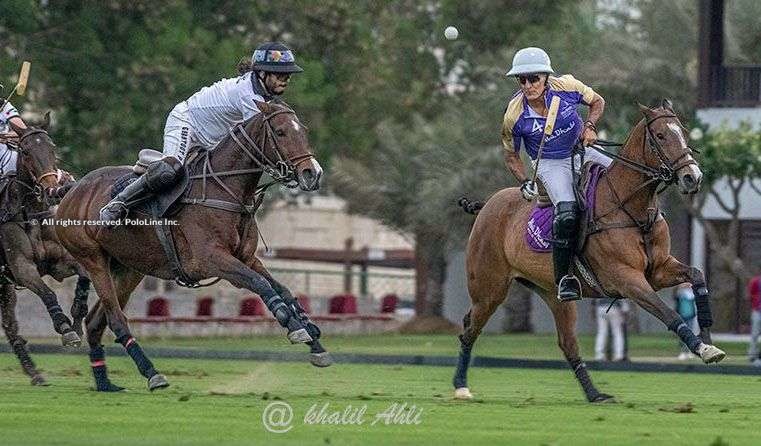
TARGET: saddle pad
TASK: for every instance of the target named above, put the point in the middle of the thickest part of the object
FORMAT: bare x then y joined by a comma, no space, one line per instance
539,225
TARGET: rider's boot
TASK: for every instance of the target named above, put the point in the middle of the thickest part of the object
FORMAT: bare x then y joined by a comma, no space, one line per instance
564,228
159,176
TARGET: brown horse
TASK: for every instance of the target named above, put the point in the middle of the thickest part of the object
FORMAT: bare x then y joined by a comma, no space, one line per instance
31,246
629,251
213,237
23,194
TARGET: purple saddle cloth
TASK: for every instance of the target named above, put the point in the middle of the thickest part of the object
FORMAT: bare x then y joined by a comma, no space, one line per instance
539,226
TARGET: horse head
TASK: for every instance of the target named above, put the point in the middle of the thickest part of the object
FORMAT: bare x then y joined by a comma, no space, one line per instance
38,153
285,148
668,150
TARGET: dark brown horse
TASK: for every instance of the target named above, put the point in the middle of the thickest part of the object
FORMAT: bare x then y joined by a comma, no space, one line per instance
23,194
38,248
629,251
215,237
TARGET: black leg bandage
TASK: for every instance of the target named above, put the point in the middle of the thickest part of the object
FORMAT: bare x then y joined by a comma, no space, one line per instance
686,335
144,365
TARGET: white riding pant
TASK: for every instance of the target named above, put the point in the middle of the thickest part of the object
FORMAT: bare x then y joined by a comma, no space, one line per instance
179,136
755,332
8,159
557,177
615,320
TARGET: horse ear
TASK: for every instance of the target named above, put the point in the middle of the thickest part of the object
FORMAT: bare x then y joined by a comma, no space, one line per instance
263,106
647,111
666,104
46,122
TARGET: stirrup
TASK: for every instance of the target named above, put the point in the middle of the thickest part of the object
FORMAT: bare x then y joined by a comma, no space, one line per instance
107,208
568,297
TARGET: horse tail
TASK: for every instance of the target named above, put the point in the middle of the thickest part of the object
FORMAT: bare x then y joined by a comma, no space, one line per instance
470,206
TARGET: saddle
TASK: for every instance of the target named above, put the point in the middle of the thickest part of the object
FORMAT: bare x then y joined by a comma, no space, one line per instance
162,205
539,226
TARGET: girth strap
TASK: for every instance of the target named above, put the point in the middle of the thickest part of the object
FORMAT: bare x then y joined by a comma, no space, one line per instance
164,234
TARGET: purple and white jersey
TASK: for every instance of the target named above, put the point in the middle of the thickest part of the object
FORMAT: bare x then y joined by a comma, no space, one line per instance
521,124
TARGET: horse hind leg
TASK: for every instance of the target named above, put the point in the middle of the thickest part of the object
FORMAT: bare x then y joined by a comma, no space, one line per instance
564,314
96,324
486,295
18,344
79,305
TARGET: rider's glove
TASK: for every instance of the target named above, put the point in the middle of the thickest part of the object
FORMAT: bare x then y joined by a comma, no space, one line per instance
529,190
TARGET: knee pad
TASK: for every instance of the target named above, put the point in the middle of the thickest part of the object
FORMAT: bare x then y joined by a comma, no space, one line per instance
163,174
566,220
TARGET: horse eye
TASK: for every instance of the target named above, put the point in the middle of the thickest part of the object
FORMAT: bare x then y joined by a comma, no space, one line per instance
659,135
279,132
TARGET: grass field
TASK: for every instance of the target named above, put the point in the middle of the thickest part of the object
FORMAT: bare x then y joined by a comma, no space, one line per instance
221,402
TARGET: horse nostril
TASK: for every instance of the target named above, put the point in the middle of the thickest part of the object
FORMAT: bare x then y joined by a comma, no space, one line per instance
689,181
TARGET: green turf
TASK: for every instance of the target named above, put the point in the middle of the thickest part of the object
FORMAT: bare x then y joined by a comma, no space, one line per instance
221,403
510,345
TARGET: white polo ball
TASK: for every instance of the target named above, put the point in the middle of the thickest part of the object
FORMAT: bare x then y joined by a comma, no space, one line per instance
451,33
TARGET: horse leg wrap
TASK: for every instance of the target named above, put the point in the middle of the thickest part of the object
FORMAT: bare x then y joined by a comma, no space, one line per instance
580,370
686,335
61,322
463,362
22,353
99,372
282,312
703,305
313,330
144,365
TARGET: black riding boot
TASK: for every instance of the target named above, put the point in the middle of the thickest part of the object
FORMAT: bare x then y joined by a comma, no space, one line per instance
564,228
159,176
117,208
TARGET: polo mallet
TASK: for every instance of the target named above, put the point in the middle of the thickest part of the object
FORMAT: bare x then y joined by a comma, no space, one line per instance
549,126
23,78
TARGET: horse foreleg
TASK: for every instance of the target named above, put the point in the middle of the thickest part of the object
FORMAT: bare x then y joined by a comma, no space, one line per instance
25,274
18,344
639,290
671,273
564,314
319,357
239,274
79,304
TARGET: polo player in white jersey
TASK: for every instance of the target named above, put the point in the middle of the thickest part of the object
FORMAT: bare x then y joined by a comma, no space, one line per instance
8,157
204,119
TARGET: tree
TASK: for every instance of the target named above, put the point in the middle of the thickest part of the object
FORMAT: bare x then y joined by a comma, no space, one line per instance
731,163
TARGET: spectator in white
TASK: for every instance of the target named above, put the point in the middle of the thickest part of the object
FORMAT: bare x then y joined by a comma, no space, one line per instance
754,292
8,158
611,315
684,300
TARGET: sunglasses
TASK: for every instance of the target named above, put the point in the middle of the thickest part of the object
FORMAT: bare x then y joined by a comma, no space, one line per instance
533,78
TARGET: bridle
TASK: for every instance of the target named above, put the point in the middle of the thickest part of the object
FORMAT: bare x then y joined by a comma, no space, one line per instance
282,170
20,149
666,172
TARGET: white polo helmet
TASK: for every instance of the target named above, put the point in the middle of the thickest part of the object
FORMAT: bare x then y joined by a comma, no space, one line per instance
530,60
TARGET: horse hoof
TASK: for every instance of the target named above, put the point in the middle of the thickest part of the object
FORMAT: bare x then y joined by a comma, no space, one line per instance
603,398
157,381
462,393
71,339
39,380
300,336
710,354
321,359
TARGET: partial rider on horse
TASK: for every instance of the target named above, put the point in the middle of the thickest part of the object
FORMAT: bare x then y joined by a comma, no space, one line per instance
524,121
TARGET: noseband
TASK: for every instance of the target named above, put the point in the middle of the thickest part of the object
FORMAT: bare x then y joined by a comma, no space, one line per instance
282,169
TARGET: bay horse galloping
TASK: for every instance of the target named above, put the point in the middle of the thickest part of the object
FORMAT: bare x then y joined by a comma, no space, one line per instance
627,249
214,236
22,195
